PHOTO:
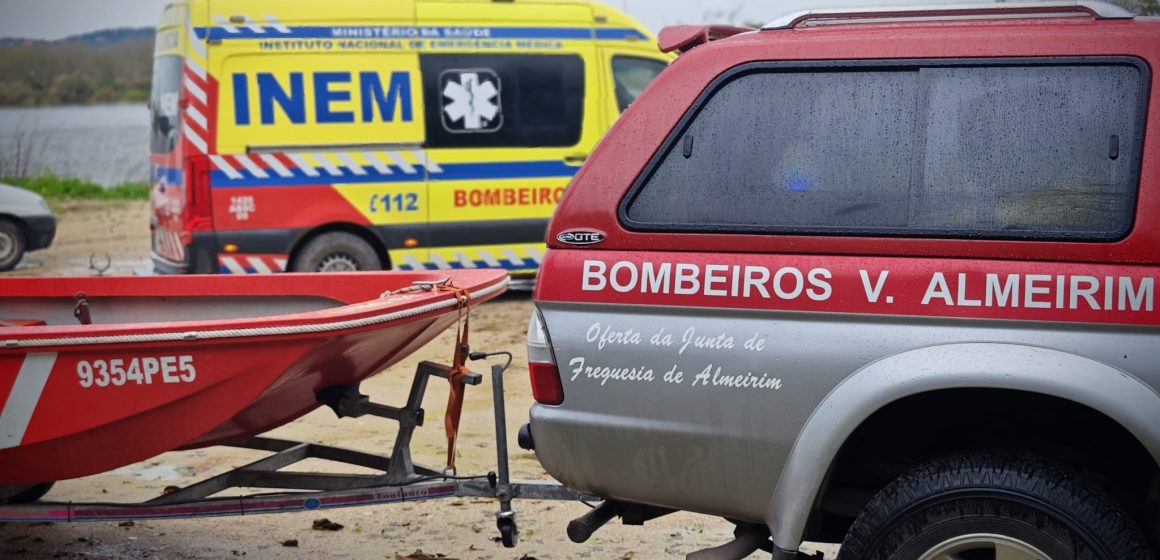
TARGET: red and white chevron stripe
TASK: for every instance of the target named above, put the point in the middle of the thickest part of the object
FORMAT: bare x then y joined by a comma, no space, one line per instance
251,264
196,87
324,164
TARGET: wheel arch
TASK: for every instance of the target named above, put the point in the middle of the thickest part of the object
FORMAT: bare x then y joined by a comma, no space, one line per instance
19,221
366,234
1124,399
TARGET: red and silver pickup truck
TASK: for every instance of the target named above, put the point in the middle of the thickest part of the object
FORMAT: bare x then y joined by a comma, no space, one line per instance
878,277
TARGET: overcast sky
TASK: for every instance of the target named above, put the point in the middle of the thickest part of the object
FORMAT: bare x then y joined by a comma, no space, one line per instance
53,19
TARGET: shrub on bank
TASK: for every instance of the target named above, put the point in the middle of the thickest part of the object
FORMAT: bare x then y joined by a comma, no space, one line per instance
53,187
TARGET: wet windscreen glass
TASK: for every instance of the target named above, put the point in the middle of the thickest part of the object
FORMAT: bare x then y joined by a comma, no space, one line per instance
1019,152
163,104
630,75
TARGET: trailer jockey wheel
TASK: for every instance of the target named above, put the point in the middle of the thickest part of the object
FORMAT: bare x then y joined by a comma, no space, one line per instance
509,534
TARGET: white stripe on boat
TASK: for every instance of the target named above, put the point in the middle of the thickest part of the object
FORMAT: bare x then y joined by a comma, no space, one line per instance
23,398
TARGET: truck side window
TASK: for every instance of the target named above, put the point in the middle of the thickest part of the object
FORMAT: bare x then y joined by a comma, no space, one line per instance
502,100
630,75
1030,151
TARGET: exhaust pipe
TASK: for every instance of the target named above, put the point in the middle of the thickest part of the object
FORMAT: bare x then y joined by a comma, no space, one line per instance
581,528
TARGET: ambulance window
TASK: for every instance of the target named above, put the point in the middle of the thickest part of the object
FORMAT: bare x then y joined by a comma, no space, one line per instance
503,100
163,104
630,75
976,150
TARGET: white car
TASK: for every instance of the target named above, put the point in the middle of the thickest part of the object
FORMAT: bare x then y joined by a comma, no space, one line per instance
26,224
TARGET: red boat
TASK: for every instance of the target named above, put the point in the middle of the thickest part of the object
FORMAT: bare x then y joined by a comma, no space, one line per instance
98,373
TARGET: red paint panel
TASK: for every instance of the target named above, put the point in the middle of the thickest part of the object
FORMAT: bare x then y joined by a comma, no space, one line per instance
985,289
284,208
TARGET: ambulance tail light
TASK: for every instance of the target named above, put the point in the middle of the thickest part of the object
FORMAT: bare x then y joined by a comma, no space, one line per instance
198,209
546,385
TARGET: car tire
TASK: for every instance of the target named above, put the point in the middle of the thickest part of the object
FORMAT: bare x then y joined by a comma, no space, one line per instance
336,251
12,244
24,494
984,506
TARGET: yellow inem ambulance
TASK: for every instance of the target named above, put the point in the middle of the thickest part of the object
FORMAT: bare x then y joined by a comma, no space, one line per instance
305,135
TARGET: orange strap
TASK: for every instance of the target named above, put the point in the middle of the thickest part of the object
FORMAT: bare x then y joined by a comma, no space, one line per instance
458,372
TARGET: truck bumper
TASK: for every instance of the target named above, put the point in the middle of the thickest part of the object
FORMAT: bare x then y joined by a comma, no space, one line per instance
41,231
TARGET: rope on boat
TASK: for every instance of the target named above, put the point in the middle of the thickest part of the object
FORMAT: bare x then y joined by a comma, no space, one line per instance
252,331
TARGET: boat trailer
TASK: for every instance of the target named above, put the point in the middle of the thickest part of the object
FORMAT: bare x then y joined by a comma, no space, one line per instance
401,480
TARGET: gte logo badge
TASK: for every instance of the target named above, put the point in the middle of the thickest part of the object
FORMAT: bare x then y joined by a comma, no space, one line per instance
580,237
471,100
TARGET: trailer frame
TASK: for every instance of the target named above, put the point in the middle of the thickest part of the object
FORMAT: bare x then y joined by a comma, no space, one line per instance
401,479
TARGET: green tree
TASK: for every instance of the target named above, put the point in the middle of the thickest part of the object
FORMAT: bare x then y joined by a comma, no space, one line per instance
70,89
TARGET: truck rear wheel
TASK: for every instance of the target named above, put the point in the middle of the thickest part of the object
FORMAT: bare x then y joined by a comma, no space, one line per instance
992,507
336,251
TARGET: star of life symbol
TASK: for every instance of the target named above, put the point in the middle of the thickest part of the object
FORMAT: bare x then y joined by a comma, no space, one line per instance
241,207
471,98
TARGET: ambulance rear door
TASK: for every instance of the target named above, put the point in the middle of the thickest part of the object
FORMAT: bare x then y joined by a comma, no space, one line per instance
509,92
320,128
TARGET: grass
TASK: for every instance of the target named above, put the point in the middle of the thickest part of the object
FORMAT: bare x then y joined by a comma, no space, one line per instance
53,187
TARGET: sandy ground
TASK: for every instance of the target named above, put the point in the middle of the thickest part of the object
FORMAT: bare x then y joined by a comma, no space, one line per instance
449,528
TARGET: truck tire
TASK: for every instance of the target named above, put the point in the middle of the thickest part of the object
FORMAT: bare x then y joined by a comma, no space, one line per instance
989,506
23,494
336,251
12,244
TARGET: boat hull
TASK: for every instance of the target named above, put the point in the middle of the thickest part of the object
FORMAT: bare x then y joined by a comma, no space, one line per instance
84,399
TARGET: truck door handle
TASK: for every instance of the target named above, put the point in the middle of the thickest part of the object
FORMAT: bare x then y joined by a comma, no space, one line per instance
575,159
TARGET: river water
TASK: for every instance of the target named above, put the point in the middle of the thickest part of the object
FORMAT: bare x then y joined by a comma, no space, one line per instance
106,144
